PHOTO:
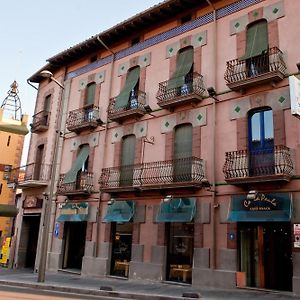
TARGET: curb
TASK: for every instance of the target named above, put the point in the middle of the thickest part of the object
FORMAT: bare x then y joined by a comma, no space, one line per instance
94,292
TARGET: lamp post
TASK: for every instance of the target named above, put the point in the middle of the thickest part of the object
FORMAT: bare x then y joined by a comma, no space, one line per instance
49,197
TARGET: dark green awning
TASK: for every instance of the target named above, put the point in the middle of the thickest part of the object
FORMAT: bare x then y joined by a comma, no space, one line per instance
8,210
184,64
131,81
177,210
74,212
257,39
264,208
12,128
80,160
120,212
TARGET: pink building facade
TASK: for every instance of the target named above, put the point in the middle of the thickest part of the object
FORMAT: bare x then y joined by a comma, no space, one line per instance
173,148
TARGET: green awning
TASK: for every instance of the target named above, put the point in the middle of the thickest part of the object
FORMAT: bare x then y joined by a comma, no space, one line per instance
177,210
8,210
257,39
13,128
131,81
74,212
72,218
184,64
120,212
263,208
78,164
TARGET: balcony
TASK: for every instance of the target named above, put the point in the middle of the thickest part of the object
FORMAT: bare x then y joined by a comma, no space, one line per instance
268,67
82,186
191,92
259,166
162,175
86,118
134,109
31,175
40,122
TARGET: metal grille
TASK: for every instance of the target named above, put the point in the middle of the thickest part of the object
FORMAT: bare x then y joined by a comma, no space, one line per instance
83,183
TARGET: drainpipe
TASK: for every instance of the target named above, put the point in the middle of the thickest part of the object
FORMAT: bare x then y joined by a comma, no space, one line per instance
105,139
213,165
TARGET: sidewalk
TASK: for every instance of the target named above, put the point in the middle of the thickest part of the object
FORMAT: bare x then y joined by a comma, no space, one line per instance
129,289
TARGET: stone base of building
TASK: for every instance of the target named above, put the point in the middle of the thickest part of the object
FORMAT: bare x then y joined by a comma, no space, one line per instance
54,261
94,266
214,278
149,271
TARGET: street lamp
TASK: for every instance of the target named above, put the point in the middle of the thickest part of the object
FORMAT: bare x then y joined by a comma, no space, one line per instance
48,198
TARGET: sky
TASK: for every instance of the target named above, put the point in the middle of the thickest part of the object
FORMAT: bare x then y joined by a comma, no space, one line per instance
32,31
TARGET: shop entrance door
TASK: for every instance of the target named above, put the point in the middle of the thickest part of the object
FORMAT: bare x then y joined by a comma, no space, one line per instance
265,255
180,251
121,248
74,238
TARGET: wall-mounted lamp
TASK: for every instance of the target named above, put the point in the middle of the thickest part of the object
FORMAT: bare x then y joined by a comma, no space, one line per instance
251,195
111,201
212,93
48,74
147,108
167,199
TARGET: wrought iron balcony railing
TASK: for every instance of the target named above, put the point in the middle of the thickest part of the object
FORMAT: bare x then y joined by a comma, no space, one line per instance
185,172
31,175
246,166
134,109
84,118
82,186
40,121
267,67
191,91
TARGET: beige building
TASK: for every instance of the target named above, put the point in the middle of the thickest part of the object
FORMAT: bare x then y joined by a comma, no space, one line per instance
168,146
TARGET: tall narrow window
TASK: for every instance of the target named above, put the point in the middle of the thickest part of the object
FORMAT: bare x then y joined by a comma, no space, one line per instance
256,56
128,98
261,142
46,110
38,169
1,188
183,146
8,141
127,160
90,93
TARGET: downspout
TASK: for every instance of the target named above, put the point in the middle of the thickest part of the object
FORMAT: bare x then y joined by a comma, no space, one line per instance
213,165
105,140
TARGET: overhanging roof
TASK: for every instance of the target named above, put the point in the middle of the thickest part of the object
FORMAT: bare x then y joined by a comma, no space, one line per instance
153,16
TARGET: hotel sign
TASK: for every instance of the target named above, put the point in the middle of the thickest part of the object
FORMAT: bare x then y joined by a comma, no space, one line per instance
294,84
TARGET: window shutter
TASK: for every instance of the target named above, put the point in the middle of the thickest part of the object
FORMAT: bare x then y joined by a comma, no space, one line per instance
183,141
90,94
80,160
184,64
131,81
127,160
257,39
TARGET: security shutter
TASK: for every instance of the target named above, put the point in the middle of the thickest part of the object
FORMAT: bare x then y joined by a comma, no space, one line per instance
90,94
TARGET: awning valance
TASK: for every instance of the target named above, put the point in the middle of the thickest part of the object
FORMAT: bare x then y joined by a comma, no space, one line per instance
78,164
131,81
74,212
263,208
177,210
8,210
120,212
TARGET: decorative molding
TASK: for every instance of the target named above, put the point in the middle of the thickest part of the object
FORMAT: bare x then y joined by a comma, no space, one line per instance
140,129
172,49
100,77
117,135
239,24
144,60
93,139
82,84
168,123
240,108
199,39
198,117
123,68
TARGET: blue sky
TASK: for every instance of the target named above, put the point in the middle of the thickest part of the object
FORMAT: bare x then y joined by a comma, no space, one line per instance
32,31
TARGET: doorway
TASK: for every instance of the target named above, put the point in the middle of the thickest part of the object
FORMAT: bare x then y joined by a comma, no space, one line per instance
180,251
74,239
121,248
265,255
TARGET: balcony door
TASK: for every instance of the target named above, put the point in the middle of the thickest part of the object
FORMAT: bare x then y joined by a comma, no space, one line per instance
183,151
37,173
261,143
127,160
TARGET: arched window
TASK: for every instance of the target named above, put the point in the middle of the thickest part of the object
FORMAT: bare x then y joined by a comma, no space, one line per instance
261,141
